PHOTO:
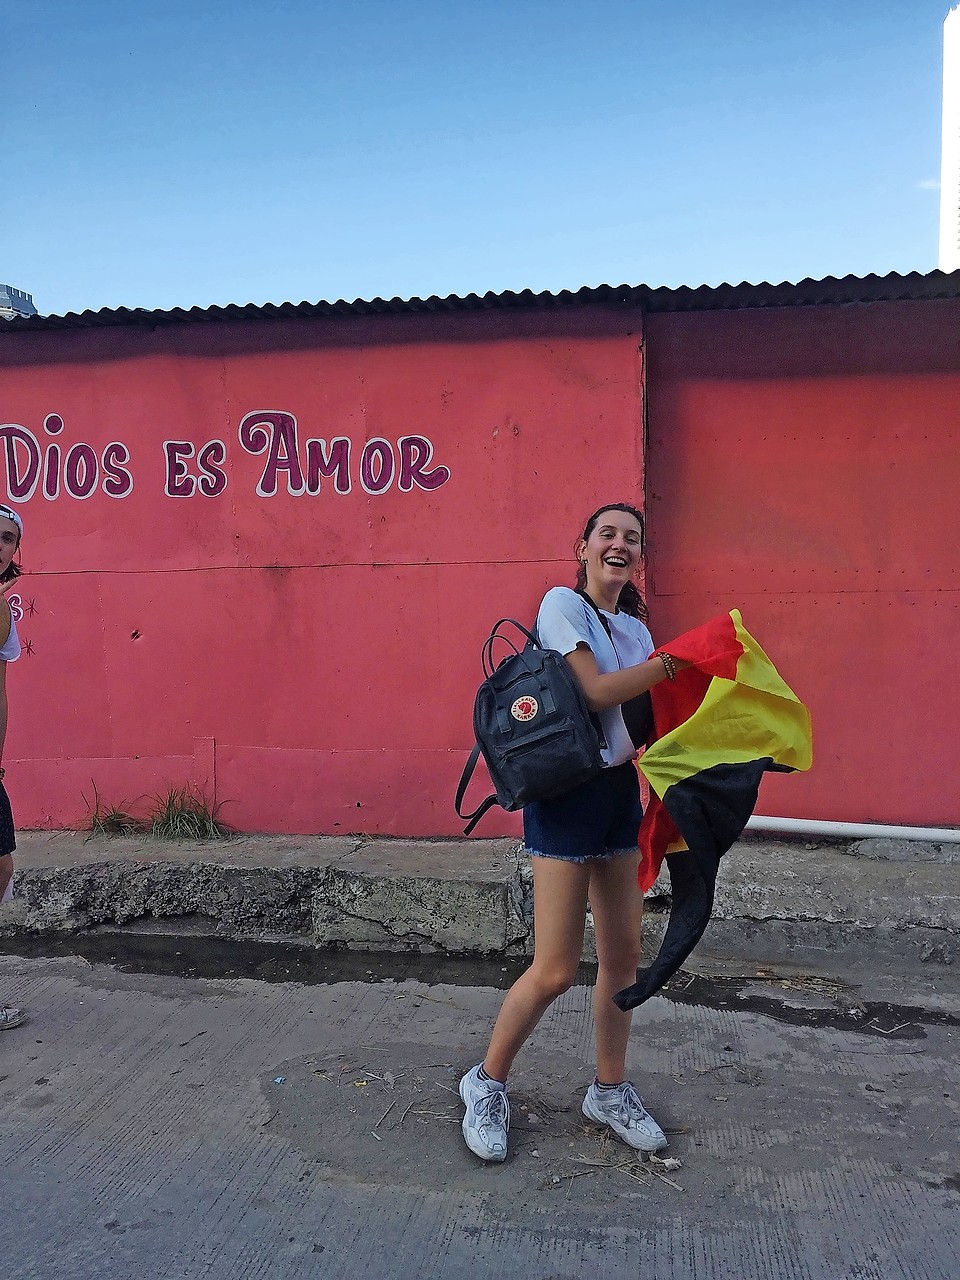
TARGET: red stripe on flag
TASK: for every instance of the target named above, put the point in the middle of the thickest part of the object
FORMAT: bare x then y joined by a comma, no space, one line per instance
714,648
658,832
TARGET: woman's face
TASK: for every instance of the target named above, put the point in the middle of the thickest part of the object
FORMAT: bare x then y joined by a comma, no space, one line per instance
9,541
611,555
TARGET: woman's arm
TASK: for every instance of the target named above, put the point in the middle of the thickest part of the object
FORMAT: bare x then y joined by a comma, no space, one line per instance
610,690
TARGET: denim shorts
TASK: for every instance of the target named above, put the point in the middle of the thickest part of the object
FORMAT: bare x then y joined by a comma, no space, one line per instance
8,840
598,819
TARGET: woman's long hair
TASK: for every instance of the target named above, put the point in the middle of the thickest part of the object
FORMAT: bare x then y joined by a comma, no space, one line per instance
12,571
630,600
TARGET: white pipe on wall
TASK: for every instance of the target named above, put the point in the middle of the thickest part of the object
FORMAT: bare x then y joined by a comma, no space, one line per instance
855,830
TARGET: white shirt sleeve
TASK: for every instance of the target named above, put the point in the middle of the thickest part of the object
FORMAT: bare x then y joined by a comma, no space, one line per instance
562,622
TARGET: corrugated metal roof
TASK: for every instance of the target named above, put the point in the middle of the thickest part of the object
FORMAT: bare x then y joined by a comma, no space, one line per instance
831,291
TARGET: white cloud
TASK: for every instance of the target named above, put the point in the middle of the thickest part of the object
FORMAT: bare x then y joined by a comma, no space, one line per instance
929,184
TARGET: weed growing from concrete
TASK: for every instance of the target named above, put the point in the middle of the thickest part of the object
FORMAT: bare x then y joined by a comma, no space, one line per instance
115,821
111,820
185,813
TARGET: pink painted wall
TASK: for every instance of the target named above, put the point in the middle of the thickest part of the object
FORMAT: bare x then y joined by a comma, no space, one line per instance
314,655
311,654
804,465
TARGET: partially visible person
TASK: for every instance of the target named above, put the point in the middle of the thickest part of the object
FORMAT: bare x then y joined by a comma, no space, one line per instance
11,530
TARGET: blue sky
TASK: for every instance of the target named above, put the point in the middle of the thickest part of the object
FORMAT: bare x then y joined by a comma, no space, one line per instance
198,152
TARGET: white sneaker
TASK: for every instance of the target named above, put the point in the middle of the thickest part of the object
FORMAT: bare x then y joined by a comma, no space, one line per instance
622,1110
488,1116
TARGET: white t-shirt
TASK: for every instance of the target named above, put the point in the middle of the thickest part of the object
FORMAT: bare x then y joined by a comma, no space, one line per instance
10,650
566,620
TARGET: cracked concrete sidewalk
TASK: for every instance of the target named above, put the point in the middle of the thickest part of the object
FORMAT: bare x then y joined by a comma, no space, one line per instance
887,904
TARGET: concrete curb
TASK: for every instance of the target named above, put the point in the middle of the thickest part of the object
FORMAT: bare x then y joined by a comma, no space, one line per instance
777,901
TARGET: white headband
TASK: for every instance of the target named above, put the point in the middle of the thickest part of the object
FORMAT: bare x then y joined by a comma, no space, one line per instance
8,513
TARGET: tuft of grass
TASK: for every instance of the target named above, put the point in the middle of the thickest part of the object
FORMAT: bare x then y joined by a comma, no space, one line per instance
185,813
111,820
115,821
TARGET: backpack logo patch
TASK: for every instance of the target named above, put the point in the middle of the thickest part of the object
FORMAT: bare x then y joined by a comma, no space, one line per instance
525,708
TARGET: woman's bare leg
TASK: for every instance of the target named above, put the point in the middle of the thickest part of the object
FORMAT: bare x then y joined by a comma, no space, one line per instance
617,905
6,871
559,916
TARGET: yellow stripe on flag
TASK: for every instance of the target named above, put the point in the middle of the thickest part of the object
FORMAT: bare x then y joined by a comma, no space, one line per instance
750,718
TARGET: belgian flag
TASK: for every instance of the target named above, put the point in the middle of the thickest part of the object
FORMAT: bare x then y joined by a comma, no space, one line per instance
718,727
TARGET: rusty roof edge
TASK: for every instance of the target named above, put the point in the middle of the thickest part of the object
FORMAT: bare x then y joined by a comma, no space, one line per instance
830,291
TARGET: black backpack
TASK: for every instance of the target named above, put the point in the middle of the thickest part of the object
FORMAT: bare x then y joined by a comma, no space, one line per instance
532,727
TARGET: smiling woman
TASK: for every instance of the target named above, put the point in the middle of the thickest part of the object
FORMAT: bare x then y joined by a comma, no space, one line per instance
583,844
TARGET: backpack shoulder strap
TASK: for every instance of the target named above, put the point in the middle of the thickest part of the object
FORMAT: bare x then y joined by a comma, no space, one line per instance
603,622
471,819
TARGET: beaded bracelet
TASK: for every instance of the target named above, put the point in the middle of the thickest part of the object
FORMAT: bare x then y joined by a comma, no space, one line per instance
668,664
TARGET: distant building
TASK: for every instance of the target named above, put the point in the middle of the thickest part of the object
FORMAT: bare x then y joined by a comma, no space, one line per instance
950,153
14,302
